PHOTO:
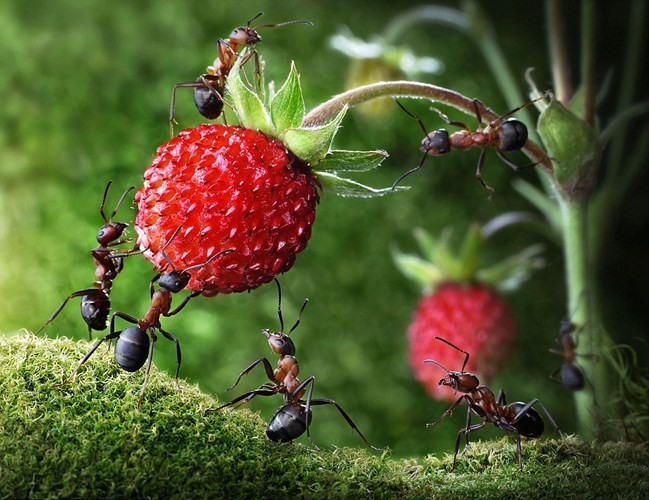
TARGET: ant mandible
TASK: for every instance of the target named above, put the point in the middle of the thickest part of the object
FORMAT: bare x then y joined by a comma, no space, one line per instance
502,134
210,86
133,348
294,418
95,302
569,374
520,418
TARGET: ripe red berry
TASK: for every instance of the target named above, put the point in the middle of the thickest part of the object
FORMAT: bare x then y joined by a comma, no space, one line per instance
226,187
474,318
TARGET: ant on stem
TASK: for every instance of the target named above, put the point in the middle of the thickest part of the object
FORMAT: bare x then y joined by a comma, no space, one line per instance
502,134
519,418
294,418
95,302
133,348
569,373
210,86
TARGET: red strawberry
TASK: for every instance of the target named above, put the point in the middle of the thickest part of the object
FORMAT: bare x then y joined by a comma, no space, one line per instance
461,305
473,317
251,189
226,188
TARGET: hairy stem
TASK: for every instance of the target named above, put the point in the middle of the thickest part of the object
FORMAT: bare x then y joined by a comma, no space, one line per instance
327,110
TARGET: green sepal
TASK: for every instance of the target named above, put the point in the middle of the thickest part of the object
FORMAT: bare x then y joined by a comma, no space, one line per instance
287,105
312,144
350,188
351,161
423,272
572,145
248,106
508,274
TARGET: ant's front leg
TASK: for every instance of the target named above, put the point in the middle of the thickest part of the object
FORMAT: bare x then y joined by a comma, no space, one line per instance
267,367
449,411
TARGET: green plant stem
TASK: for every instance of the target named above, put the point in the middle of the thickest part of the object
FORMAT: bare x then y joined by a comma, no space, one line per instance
582,312
329,109
558,52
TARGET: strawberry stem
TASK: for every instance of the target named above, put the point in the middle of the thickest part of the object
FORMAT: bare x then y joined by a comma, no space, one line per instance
327,110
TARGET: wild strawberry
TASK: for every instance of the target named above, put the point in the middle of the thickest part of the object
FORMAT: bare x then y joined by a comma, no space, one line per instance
461,305
252,189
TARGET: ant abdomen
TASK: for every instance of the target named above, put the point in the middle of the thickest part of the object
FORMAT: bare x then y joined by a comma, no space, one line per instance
289,423
95,308
132,348
207,103
512,135
530,423
571,377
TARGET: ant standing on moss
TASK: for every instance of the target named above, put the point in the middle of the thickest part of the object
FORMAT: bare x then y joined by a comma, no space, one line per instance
133,348
502,134
95,302
520,418
294,418
209,87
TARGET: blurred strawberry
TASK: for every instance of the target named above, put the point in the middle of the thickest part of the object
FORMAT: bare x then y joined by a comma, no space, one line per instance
252,189
461,304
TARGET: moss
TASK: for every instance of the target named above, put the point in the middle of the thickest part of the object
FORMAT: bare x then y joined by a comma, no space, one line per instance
86,438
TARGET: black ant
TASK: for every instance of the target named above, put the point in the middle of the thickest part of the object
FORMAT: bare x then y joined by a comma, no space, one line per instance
210,86
133,348
520,418
95,302
294,418
502,134
569,374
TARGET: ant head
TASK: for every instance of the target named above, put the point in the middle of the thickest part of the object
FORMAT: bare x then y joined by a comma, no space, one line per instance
109,232
244,35
436,143
512,135
174,281
280,343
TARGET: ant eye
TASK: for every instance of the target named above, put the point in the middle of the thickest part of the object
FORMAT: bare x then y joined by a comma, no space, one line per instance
513,135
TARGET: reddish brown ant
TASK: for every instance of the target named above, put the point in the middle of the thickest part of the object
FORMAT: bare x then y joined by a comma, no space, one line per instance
95,302
502,134
133,348
294,418
210,86
520,418
569,374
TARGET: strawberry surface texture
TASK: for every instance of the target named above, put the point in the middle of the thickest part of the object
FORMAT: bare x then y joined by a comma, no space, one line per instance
215,188
474,318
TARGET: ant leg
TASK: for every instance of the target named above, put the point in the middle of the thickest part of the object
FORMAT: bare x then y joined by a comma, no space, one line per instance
264,390
478,173
525,408
79,293
148,368
465,431
182,304
267,366
446,119
449,411
110,336
502,401
175,340
511,164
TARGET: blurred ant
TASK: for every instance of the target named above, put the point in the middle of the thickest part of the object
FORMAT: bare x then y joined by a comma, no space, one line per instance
294,418
95,302
569,374
502,134
209,87
520,418
133,348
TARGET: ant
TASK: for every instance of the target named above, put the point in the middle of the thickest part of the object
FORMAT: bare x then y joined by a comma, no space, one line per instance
520,418
133,348
95,302
210,86
294,418
502,134
569,373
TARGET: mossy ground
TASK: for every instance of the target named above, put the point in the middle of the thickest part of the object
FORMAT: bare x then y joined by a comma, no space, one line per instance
87,438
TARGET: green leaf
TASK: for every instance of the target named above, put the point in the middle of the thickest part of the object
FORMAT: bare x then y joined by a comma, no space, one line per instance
287,105
350,188
312,144
248,106
421,271
351,161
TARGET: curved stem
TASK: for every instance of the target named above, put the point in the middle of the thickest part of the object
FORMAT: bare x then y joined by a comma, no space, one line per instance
327,110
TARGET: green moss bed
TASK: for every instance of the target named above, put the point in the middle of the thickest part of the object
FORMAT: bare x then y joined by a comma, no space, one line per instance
86,438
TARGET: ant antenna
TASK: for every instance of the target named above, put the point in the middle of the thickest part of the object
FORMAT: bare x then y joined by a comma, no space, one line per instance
466,359
279,310
432,361
103,202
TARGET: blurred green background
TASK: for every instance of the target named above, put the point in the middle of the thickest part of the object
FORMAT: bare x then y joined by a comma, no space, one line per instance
85,92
